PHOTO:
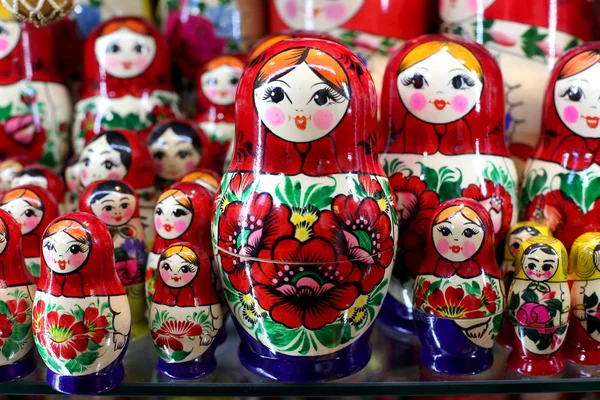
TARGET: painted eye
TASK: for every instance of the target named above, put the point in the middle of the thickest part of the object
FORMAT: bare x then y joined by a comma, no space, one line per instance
575,93
183,153
3,30
234,81
445,231
124,206
49,246
185,269
276,95
166,267
462,82
140,49
531,266
158,211
113,48
212,82
86,162
108,208
108,165
29,213
179,213
159,155
546,267
515,245
469,232
418,81
75,249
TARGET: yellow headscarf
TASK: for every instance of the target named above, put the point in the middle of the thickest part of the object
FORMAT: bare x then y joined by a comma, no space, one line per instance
561,271
582,262
542,229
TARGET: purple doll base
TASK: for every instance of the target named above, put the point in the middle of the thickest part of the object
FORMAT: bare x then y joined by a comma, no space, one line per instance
189,370
87,384
19,369
397,317
259,360
445,349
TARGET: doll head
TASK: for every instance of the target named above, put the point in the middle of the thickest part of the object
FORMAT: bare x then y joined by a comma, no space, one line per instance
206,178
31,206
519,233
114,202
323,15
218,80
173,214
8,170
178,266
41,176
10,35
458,233
66,246
584,257
73,174
542,259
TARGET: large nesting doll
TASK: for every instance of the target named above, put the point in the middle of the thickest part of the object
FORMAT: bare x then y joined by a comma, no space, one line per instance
459,293
126,80
35,108
561,180
17,289
120,154
116,204
582,345
33,208
539,305
42,176
182,214
185,315
81,318
304,223
442,128
526,42
216,85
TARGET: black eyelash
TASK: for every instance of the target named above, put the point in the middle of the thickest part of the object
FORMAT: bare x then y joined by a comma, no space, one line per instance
191,267
475,231
267,93
334,96
408,80
565,92
468,80
441,228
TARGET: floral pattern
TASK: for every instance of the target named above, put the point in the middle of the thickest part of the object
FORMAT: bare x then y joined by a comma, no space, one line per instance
15,325
496,200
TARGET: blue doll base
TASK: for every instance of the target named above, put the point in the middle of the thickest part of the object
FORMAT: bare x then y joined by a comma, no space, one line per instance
87,384
397,317
189,370
19,369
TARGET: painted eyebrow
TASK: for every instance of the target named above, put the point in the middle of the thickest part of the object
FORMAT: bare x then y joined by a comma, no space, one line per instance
104,201
577,79
472,223
182,142
279,80
105,152
460,69
549,261
319,83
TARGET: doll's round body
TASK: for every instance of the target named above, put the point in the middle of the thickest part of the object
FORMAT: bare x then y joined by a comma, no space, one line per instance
185,315
442,138
539,307
126,80
116,204
81,314
33,208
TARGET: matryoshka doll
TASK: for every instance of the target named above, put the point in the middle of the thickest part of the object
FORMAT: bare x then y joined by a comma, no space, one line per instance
206,178
304,224
33,208
539,305
126,80
8,169
17,289
560,184
177,147
526,42
442,128
42,176
582,345
73,182
116,204
35,108
216,85
518,233
278,36
81,318
120,154
459,293
185,298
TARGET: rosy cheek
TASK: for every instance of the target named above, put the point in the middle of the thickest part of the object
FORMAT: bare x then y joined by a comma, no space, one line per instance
335,12
158,223
114,175
548,274
140,62
418,101
189,165
468,249
290,8
212,92
3,44
105,216
84,173
472,5
323,119
128,213
31,222
112,62
275,116
187,277
164,274
443,246
76,260
570,114
180,226
48,256
460,103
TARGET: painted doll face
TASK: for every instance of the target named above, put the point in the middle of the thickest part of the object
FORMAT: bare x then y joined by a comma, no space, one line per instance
220,84
72,177
100,161
10,33
174,156
26,179
299,106
125,53
453,11
439,89
457,239
115,209
577,98
28,216
515,239
171,219
541,264
323,15
177,272
63,254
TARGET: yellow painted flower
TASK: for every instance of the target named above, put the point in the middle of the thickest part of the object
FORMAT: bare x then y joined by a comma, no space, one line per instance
251,311
357,313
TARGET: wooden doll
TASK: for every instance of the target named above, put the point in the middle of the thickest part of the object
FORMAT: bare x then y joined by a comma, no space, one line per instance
81,317
17,289
185,315
8,169
206,178
73,183
33,208
116,204
539,305
459,293
42,176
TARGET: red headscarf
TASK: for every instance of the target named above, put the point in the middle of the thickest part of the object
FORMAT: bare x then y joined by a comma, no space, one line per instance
122,187
13,271
56,186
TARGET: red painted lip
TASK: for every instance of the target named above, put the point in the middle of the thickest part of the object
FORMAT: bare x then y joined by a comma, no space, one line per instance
176,279
127,64
224,93
440,104
168,227
455,249
118,219
300,122
62,264
592,122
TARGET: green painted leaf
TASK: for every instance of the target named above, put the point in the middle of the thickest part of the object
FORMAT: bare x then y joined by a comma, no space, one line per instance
93,346
20,332
321,197
529,44
430,176
78,312
590,301
4,309
364,240
74,367
572,43
53,363
476,287
87,358
5,112
450,189
376,300
530,296
571,185
592,193
331,335
179,355
554,306
279,335
9,348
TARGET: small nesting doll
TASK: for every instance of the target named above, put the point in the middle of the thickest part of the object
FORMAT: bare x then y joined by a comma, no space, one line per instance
33,208
560,185
304,222
119,154
582,345
185,315
206,178
216,86
8,169
17,289
442,128
117,205
177,147
73,182
81,318
459,293
126,80
539,305
44,177
35,108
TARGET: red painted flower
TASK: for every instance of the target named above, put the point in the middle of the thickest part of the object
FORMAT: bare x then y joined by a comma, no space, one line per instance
415,205
554,210
420,293
96,324
38,320
311,290
162,112
244,231
169,333
6,328
362,232
489,298
63,336
240,182
18,310
496,200
454,303
534,315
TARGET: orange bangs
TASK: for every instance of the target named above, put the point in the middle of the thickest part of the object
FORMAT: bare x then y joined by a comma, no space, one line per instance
3,229
71,228
228,61
579,63
466,212
132,25
179,197
268,43
321,63
26,194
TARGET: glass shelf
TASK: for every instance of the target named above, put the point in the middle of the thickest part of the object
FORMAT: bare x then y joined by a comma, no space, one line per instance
393,371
